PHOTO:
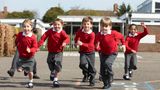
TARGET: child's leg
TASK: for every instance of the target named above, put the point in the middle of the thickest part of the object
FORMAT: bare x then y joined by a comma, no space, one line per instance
107,74
30,75
50,62
35,76
127,66
134,61
57,68
30,83
83,64
91,68
14,64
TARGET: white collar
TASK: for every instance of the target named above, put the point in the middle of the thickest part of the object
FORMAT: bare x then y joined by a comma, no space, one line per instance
107,32
131,35
29,35
57,31
89,32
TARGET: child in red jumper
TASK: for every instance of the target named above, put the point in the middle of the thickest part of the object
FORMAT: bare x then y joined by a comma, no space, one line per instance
106,43
27,46
85,40
132,43
57,40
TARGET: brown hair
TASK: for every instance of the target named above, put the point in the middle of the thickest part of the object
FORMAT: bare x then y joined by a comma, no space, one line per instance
132,25
59,20
87,19
105,22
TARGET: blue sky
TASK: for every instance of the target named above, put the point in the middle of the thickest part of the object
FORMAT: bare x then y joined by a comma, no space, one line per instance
41,6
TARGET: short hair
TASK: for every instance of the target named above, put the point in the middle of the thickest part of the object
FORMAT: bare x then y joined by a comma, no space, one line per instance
105,22
132,25
29,21
87,19
57,19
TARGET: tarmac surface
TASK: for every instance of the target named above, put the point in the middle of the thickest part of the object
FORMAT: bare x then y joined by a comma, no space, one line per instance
146,77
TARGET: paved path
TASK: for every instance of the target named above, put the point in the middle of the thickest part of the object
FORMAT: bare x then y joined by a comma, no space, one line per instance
147,77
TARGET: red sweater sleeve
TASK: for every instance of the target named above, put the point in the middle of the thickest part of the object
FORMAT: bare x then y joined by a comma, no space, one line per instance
91,41
66,38
97,41
144,33
34,45
127,44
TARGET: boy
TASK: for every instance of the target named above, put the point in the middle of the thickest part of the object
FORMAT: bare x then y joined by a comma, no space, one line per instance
57,40
85,40
106,43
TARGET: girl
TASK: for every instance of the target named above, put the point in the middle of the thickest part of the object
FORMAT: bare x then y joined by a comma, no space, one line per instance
132,43
27,46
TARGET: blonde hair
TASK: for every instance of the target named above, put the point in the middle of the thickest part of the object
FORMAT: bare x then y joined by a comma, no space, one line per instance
87,19
27,21
106,21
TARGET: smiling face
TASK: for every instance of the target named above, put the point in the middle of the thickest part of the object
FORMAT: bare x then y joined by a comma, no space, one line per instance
27,27
87,26
57,25
132,29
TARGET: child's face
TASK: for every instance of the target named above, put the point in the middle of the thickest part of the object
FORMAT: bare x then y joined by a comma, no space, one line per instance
133,29
57,25
87,26
27,28
106,28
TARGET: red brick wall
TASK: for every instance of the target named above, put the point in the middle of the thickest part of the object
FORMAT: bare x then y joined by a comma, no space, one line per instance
153,30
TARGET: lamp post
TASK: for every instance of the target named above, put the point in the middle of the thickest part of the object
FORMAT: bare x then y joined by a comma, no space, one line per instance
129,17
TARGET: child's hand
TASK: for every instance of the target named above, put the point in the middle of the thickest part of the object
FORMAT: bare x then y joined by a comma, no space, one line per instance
143,25
133,51
79,42
123,48
28,50
97,46
38,49
63,44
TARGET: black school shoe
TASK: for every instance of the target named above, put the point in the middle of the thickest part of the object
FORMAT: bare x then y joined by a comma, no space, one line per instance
107,86
126,77
85,78
56,84
130,73
10,73
29,85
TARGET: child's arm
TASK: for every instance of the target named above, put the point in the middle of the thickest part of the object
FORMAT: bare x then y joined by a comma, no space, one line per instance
89,43
145,32
76,39
33,47
97,42
66,40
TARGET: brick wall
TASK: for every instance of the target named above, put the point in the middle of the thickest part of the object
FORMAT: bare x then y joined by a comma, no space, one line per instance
153,30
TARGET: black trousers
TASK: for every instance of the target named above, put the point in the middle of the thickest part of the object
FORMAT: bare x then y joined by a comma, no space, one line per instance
106,62
87,62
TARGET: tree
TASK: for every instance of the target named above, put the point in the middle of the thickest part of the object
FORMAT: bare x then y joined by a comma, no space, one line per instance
123,9
24,14
52,14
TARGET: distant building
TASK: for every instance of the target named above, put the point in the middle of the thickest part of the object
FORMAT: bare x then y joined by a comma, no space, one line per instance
3,13
149,6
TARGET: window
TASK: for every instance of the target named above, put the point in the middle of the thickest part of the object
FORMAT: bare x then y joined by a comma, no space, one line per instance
157,5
